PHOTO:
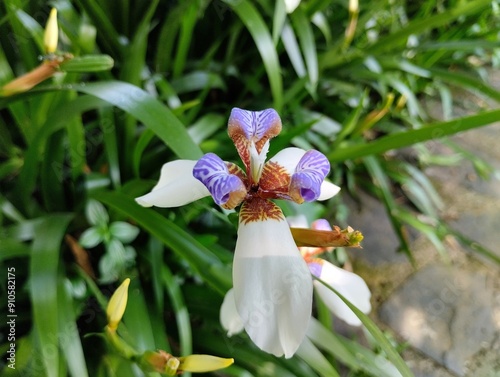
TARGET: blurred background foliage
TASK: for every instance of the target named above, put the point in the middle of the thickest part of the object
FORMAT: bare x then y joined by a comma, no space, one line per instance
76,149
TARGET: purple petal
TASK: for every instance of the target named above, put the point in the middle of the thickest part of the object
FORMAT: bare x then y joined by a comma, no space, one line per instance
315,268
310,173
227,189
255,125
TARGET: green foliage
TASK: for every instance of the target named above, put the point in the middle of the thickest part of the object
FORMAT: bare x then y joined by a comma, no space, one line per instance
150,82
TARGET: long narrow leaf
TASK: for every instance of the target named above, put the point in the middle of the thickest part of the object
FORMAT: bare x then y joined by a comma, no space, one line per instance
181,311
69,339
264,42
147,109
43,287
379,336
405,139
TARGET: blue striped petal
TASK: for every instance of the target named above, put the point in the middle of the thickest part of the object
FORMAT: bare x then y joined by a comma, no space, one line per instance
305,184
227,189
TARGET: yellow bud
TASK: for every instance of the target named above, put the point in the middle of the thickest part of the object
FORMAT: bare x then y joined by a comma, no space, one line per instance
51,33
117,304
203,363
353,6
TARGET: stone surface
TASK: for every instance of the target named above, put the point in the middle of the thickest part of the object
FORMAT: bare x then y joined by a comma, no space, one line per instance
446,312
380,243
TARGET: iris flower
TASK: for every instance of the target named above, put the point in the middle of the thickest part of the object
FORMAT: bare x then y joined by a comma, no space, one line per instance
272,283
350,285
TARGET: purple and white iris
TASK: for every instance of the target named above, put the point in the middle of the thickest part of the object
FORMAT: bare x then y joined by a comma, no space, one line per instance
272,282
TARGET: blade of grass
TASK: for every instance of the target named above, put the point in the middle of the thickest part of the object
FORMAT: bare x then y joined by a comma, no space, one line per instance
173,289
312,356
377,334
29,174
308,45
467,81
43,287
147,109
292,49
188,22
348,352
69,339
109,132
408,138
12,248
279,19
108,35
264,42
137,319
380,180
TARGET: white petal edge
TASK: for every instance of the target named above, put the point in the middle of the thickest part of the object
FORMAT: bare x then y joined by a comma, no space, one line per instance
350,285
228,315
328,190
272,286
291,5
299,221
289,158
176,186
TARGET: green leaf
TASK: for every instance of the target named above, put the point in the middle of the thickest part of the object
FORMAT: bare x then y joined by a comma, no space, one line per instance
308,45
309,353
88,63
377,334
147,109
137,318
12,248
408,138
69,338
43,287
91,238
381,182
125,232
96,213
181,311
264,42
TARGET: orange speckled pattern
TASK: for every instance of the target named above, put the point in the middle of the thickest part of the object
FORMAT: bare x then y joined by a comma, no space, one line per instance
257,209
274,178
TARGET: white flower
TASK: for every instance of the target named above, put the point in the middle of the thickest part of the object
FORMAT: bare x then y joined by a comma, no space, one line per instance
272,283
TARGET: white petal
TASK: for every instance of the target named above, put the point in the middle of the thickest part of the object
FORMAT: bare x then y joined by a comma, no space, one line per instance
350,285
228,316
272,286
176,186
289,158
290,5
328,190
299,221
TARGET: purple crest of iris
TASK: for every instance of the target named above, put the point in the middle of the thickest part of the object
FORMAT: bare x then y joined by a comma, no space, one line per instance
214,174
309,175
254,124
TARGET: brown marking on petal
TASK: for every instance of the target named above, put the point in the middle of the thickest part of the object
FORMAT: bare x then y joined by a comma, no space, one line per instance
274,178
235,198
237,171
256,209
243,148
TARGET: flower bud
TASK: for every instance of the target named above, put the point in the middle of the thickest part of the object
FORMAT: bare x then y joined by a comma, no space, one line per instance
117,304
203,363
51,33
